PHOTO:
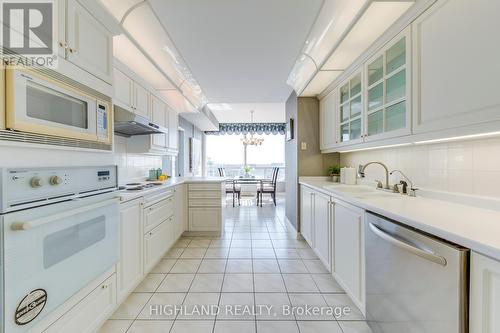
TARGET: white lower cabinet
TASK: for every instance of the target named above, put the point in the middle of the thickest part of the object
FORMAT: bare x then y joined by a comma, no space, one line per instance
323,228
157,213
90,312
156,242
205,202
306,214
348,251
316,223
180,212
205,219
129,268
484,294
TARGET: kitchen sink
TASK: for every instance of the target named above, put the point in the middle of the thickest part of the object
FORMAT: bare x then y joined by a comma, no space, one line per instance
362,192
349,189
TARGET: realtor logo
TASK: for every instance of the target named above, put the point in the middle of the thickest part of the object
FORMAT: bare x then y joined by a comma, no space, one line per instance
28,32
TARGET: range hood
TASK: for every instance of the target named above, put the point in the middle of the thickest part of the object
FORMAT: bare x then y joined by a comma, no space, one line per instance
128,124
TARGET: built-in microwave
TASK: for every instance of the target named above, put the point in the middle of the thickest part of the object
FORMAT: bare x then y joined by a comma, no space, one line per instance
44,105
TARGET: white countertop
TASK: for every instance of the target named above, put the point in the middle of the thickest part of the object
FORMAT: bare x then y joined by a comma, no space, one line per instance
167,184
467,225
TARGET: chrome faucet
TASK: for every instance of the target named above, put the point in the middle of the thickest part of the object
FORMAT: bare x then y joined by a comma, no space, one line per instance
361,172
412,190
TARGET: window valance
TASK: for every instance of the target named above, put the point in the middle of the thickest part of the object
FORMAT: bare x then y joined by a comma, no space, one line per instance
249,128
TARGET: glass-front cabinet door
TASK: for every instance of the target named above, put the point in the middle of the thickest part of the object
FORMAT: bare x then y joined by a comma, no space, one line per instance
388,90
350,110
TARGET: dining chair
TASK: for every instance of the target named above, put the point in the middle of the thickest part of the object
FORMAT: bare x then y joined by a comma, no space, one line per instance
231,187
268,186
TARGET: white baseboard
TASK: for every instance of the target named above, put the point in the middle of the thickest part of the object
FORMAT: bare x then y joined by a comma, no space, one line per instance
290,226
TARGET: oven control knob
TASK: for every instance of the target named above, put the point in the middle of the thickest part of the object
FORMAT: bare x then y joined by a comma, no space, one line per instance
36,182
55,180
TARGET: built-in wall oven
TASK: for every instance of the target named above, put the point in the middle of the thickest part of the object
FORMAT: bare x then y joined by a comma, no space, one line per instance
415,282
37,103
59,233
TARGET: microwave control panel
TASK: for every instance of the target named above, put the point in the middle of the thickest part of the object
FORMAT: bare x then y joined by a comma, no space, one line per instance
102,120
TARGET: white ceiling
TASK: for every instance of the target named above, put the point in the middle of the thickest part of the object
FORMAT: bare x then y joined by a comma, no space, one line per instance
240,51
240,112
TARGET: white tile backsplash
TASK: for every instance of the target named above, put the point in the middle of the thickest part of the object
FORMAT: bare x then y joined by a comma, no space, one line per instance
133,167
470,167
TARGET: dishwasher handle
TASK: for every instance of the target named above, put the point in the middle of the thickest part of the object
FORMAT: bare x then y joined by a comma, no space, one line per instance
440,260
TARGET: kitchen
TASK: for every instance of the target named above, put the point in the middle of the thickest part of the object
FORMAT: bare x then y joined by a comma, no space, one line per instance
335,170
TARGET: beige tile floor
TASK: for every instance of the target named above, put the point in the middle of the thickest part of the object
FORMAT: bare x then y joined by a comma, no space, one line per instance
257,262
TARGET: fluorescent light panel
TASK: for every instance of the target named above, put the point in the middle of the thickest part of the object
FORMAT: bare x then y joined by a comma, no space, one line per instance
427,142
458,138
377,147
376,19
320,82
125,51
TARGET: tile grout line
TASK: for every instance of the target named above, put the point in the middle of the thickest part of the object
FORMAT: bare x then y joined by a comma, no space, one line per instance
153,293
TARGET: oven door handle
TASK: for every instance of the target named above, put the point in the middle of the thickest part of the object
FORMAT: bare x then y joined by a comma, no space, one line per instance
28,225
408,247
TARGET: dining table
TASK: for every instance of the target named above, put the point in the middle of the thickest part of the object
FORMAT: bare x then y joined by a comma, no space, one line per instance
246,180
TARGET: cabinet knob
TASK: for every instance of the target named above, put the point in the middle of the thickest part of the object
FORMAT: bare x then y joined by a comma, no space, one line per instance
71,50
64,45
104,286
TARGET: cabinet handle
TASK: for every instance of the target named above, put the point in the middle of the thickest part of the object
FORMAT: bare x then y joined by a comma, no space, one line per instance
104,286
64,45
71,50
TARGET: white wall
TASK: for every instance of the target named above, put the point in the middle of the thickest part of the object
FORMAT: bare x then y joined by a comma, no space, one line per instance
471,167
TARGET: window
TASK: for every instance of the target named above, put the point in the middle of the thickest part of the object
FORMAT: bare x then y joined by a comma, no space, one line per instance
228,152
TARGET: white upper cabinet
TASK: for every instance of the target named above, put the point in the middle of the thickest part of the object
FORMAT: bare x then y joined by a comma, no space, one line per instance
159,116
123,86
436,79
141,97
387,75
173,130
350,110
88,44
130,95
456,65
327,112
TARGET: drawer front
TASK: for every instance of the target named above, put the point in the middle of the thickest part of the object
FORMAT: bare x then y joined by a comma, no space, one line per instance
157,242
205,187
90,312
204,219
158,213
204,194
206,202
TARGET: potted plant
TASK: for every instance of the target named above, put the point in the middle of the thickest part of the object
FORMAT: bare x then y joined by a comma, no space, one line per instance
247,170
334,172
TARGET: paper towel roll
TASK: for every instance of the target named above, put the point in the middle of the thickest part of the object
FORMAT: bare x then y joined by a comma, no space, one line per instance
348,176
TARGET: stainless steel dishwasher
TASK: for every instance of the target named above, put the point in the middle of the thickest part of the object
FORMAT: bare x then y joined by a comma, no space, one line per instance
415,283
